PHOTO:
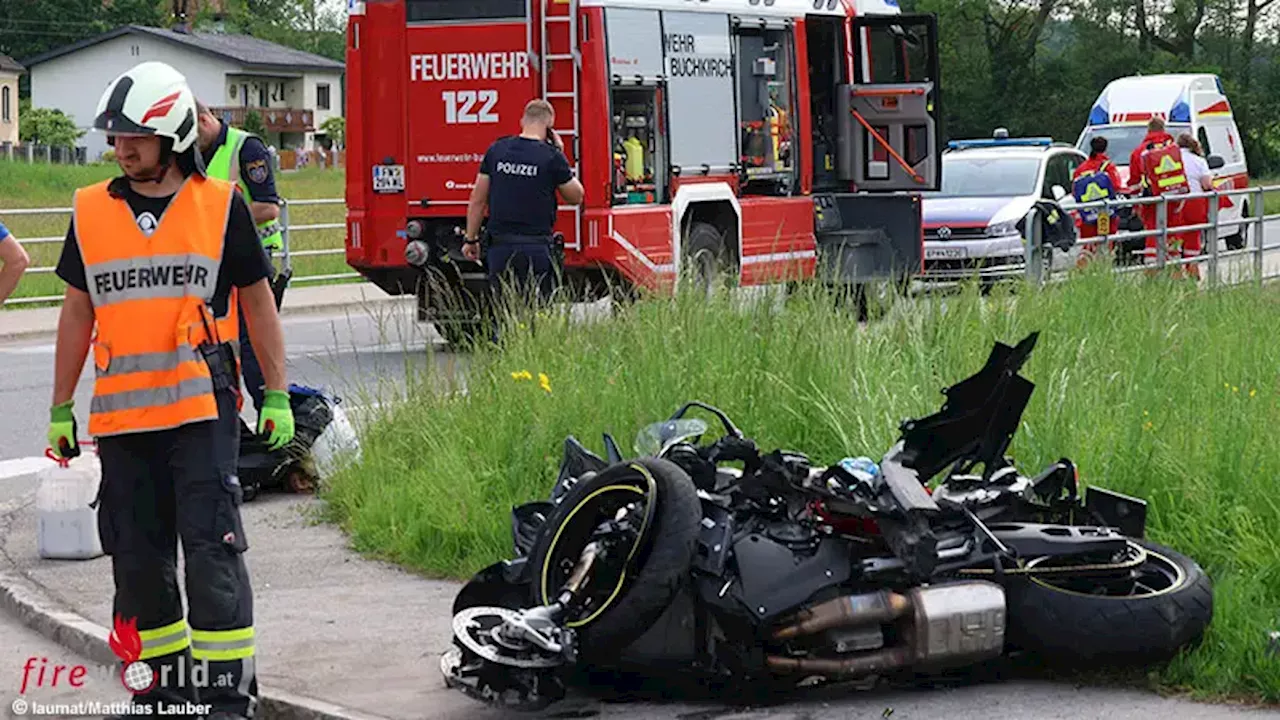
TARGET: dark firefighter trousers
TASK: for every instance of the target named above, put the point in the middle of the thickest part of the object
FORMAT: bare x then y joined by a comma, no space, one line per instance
157,488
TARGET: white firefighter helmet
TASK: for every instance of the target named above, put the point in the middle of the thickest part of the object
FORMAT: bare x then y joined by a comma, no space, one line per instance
151,98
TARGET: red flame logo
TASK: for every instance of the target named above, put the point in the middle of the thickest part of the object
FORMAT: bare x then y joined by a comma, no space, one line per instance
124,640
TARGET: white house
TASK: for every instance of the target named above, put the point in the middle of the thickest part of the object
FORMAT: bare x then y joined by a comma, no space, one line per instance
291,90
9,72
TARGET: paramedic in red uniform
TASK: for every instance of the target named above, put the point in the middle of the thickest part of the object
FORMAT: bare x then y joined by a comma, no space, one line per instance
1195,211
1155,137
518,180
1098,162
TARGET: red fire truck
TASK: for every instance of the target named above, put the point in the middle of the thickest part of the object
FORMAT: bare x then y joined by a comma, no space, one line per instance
764,139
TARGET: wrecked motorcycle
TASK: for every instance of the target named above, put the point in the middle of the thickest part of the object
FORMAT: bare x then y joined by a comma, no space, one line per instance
748,568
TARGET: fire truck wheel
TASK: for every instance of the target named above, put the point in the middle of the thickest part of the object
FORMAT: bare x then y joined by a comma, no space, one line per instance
706,256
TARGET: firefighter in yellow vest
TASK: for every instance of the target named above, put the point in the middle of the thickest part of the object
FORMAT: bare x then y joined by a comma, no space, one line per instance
242,158
150,259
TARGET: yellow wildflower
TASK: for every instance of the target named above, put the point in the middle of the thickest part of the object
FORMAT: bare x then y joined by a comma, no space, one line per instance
521,375
1253,392
1147,426
1235,389
544,381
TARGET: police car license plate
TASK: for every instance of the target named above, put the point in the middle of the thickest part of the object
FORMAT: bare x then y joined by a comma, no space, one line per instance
945,253
388,178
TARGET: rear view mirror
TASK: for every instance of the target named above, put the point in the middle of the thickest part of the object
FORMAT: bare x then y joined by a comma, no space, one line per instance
1216,161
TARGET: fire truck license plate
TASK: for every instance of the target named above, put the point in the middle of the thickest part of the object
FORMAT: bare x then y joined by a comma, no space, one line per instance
945,253
388,178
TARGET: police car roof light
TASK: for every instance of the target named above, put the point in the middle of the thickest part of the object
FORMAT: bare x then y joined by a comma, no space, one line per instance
1001,142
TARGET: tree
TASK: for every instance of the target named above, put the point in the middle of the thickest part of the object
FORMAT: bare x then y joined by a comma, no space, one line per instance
46,126
253,124
336,128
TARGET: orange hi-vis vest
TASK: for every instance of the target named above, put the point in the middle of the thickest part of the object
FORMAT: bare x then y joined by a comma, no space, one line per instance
151,300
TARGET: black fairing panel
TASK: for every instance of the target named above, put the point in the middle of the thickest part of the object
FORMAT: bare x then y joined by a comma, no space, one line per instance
773,580
978,419
576,462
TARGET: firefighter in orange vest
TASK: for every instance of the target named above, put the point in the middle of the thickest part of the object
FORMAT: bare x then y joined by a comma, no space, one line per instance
156,258
1096,179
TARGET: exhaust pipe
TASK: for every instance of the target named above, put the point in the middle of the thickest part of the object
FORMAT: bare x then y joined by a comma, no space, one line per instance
955,623
871,608
862,664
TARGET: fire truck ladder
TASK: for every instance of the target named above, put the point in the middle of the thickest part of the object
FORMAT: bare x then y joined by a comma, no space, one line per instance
554,54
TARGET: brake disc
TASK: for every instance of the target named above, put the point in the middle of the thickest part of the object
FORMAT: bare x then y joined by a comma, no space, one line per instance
476,629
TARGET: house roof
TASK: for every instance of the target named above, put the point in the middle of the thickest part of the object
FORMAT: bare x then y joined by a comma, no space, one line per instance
8,64
244,49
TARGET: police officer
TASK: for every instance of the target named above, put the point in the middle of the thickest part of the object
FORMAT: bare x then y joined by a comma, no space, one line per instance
518,180
151,258
242,158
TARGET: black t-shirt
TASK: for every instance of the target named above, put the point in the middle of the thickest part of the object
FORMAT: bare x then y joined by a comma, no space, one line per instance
255,167
244,261
523,177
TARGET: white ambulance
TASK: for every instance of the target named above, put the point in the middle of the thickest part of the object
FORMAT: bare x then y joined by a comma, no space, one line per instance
1194,103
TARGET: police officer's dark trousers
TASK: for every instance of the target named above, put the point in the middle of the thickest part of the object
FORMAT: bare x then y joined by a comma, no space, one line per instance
522,273
181,484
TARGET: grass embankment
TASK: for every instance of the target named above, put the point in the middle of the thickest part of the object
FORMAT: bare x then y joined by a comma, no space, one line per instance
1152,388
39,185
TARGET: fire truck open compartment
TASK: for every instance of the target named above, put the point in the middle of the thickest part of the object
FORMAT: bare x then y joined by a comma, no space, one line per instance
641,175
766,105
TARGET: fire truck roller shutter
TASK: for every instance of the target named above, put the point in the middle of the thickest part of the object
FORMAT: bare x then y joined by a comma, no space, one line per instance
710,203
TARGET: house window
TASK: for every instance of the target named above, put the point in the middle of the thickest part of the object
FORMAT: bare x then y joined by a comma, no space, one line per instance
322,96
5,100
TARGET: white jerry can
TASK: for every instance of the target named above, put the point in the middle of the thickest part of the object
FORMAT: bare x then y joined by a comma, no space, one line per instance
68,521
337,446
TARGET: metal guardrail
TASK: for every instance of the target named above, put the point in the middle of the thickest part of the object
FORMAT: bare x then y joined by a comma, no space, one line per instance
1252,227
286,258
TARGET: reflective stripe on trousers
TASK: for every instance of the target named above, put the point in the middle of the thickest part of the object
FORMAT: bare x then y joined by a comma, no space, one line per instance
165,640
222,645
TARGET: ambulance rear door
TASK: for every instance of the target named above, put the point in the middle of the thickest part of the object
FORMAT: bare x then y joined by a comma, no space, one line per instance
469,79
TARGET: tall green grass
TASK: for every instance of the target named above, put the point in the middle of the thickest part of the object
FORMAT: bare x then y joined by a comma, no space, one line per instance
1154,389
41,185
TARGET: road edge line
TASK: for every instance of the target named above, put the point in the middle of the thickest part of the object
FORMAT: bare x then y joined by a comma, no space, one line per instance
31,605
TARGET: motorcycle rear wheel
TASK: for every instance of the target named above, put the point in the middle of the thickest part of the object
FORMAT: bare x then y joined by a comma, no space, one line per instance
1166,608
661,561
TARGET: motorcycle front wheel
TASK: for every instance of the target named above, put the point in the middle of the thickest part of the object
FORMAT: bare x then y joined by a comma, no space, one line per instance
620,606
1146,615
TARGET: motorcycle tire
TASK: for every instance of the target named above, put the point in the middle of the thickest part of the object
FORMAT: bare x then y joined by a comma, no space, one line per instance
1066,626
662,559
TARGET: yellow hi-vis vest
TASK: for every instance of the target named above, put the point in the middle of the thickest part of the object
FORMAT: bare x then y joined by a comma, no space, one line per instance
225,165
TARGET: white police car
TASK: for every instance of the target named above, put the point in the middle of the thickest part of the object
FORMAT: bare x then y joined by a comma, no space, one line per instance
974,223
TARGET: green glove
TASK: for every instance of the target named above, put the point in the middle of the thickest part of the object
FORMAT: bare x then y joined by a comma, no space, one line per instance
276,418
63,431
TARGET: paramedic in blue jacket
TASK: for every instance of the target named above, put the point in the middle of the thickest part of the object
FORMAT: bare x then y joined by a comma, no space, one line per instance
13,262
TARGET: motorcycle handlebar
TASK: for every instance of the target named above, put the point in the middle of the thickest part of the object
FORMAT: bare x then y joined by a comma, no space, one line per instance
729,428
